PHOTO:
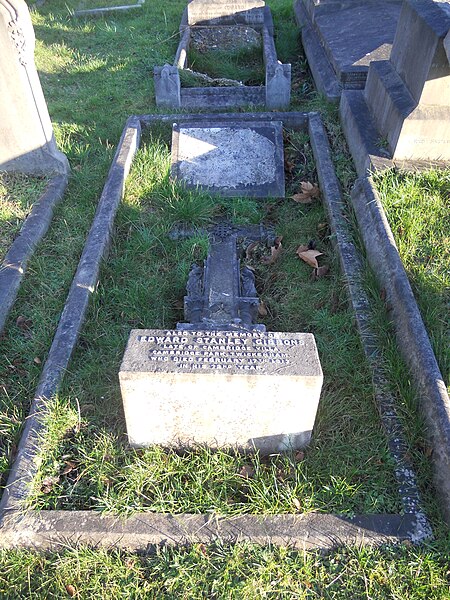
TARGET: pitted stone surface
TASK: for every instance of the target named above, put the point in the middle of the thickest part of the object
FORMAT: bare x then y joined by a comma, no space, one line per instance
233,160
220,388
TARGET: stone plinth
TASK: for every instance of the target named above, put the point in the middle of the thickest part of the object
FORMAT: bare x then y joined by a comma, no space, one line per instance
230,159
27,143
225,12
405,106
342,37
220,388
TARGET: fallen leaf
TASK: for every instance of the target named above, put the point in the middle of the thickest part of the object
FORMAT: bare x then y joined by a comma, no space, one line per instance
250,250
309,192
202,549
309,256
247,472
37,360
320,272
275,250
288,165
299,456
70,466
71,590
296,503
24,323
323,229
48,483
262,309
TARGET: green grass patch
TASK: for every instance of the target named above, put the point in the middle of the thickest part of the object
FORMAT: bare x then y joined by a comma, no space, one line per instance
18,193
417,206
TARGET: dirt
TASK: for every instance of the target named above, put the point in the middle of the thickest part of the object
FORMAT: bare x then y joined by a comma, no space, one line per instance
205,39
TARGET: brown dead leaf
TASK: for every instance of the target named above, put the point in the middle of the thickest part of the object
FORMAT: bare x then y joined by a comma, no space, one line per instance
202,549
309,192
309,256
250,249
275,250
71,590
320,272
70,466
296,503
299,456
247,472
262,309
48,483
289,165
23,323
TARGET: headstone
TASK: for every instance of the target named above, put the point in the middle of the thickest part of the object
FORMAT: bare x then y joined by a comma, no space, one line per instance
342,37
167,86
225,12
27,143
220,379
231,159
406,100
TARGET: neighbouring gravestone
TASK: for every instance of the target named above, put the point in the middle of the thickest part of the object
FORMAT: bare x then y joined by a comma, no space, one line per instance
407,98
342,37
220,379
27,142
276,92
231,159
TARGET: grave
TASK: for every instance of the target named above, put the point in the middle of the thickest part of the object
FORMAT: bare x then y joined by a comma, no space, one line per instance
105,7
403,113
342,37
221,379
27,143
236,158
275,94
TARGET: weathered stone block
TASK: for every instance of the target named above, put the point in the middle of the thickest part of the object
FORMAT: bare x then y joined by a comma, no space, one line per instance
27,142
226,12
220,388
278,86
230,159
167,86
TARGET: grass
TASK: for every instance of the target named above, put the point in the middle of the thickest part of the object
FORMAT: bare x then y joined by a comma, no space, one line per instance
18,192
94,74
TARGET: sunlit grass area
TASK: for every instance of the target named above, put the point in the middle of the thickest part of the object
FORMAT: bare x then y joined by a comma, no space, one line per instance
95,73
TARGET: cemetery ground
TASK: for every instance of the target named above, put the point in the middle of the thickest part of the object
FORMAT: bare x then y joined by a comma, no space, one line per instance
94,74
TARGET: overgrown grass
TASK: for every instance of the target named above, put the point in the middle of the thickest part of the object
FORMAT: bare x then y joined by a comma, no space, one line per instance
18,193
95,73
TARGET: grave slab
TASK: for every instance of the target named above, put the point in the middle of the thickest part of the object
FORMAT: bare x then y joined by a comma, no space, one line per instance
231,159
229,12
349,34
245,390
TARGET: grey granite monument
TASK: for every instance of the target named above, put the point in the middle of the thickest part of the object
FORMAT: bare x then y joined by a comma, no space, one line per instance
404,111
27,143
220,379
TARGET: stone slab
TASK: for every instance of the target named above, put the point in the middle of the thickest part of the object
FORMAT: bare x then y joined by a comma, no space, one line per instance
230,159
232,389
352,34
225,12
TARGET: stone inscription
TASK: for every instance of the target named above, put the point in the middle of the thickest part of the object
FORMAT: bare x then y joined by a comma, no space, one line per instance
219,350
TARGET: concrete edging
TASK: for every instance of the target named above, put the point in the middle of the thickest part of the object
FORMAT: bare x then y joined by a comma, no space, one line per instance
34,228
412,336
50,529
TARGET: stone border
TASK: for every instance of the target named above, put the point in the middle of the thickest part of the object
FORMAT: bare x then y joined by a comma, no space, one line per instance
363,139
35,226
412,336
50,529
99,12
274,95
321,69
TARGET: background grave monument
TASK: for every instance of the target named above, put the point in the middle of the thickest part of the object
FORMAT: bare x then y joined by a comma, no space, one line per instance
220,379
342,37
27,143
236,158
275,94
404,111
